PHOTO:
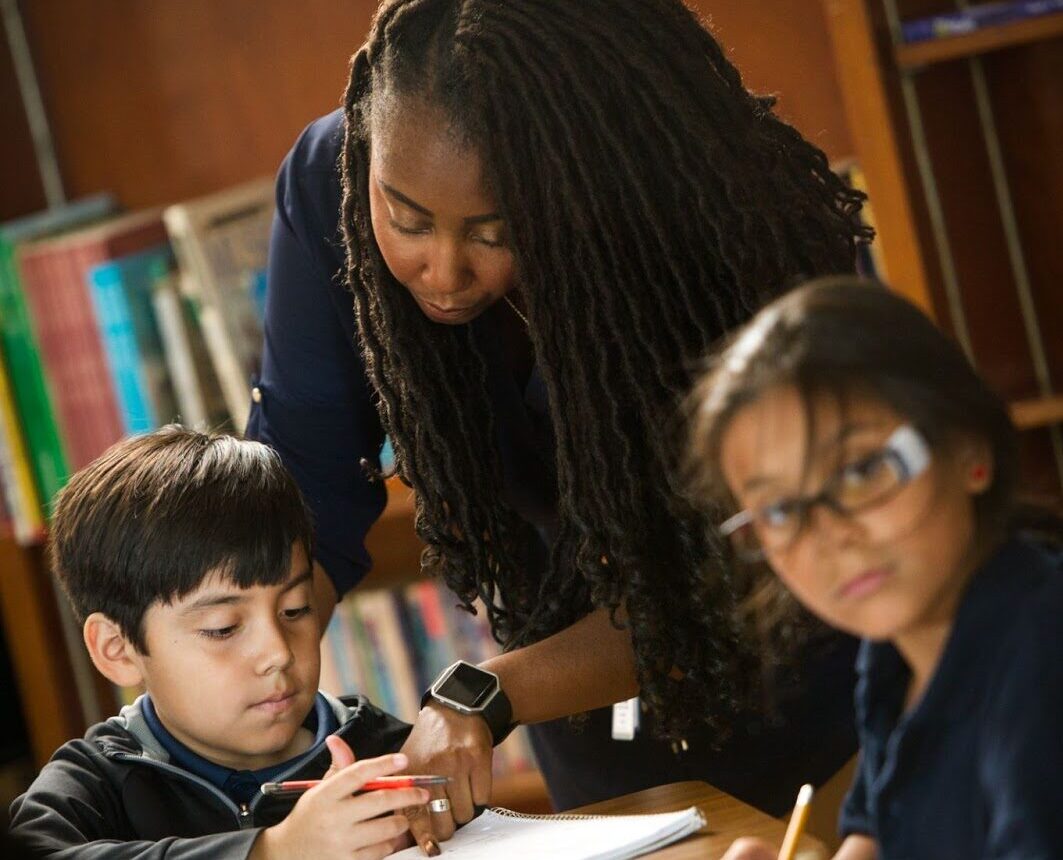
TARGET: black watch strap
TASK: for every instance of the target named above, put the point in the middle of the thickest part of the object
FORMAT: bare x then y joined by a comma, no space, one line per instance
499,717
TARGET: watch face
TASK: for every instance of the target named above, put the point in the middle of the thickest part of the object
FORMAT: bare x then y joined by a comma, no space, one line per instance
467,685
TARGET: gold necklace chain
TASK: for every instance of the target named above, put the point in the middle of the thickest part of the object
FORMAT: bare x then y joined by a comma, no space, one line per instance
516,310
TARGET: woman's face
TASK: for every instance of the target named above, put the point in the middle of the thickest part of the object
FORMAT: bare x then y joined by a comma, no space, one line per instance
437,227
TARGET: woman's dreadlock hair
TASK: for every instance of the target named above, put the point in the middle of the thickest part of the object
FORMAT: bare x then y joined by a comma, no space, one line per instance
652,204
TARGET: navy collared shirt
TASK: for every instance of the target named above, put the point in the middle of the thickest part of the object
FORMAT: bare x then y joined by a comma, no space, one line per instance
240,785
975,769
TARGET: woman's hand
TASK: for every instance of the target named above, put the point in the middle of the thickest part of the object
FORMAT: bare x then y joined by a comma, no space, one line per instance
456,745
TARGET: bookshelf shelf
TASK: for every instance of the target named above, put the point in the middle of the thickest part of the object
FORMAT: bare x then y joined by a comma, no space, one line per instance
918,54
1038,412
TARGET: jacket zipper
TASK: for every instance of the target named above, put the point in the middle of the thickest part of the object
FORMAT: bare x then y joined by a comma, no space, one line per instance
243,813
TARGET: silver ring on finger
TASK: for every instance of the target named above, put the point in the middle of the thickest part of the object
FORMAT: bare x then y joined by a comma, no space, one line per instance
440,804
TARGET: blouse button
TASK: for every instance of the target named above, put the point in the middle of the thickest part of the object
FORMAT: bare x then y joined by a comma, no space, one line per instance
256,394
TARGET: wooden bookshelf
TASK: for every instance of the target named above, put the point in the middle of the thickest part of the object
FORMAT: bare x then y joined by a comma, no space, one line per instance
962,173
38,652
982,41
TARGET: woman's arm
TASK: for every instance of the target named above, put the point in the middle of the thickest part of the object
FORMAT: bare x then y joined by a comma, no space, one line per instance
585,666
588,665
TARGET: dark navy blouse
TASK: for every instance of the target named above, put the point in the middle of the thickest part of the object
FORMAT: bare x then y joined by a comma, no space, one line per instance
316,410
975,769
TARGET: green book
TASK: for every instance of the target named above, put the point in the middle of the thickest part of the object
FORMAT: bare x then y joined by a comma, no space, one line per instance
33,401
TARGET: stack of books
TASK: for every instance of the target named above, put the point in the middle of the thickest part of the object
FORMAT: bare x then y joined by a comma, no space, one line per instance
113,324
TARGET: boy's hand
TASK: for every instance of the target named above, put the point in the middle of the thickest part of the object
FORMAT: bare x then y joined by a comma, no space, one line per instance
422,830
330,821
342,755
751,849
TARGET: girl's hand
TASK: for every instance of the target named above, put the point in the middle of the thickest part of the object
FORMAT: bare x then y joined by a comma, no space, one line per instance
331,821
456,745
747,848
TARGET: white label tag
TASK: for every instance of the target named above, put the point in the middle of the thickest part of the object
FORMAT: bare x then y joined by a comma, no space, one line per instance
626,720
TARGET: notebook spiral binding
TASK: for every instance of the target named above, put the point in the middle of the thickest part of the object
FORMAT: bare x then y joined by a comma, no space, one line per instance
509,813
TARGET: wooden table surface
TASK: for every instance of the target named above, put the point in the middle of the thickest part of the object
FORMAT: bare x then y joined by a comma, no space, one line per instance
727,819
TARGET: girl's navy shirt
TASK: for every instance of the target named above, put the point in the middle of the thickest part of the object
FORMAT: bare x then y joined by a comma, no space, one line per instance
975,768
315,408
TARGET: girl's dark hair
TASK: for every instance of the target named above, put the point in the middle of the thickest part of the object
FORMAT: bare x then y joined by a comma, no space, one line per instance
653,204
840,338
155,514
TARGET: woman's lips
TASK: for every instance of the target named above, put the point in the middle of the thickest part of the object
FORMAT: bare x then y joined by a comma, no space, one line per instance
446,314
864,584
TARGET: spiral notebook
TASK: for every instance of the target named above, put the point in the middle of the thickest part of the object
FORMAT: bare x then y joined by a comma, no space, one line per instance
500,833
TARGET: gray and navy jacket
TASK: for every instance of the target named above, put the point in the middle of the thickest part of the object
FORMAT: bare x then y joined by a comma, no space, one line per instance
115,795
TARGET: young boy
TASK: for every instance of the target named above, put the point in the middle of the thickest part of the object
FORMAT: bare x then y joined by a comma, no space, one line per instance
187,558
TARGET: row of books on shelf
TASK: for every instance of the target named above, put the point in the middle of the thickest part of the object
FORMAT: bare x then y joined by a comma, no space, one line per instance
976,17
114,323
390,644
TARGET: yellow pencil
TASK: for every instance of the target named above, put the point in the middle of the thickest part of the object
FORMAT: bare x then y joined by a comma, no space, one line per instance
797,823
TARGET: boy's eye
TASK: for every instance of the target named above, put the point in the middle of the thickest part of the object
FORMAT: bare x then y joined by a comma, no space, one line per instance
294,614
219,632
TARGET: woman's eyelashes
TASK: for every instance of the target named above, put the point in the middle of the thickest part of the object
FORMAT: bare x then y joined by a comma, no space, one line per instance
490,239
407,230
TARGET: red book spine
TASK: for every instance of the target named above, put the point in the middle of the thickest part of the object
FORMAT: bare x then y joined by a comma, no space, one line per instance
58,292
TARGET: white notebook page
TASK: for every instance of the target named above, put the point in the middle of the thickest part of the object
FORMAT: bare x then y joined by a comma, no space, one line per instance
499,834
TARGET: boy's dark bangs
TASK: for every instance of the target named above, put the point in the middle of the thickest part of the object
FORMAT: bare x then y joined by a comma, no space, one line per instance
247,543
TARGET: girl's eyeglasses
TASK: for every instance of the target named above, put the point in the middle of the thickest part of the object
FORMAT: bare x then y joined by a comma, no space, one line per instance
870,481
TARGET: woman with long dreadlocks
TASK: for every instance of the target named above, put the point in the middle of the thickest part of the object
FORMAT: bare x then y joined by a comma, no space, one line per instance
544,213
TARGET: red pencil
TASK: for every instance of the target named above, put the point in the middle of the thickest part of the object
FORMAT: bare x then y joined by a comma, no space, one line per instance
385,783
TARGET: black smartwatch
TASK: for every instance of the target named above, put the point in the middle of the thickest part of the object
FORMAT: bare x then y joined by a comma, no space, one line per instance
468,689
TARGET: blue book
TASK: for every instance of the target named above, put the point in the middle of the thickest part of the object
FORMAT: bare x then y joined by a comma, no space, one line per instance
334,637
975,18
121,293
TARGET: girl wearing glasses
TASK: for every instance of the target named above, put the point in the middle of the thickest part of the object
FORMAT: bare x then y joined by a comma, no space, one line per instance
873,471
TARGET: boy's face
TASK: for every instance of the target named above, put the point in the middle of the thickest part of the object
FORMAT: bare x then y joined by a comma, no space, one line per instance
888,571
233,672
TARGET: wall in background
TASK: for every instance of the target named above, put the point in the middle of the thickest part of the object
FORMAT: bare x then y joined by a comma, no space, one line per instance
160,100
783,47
